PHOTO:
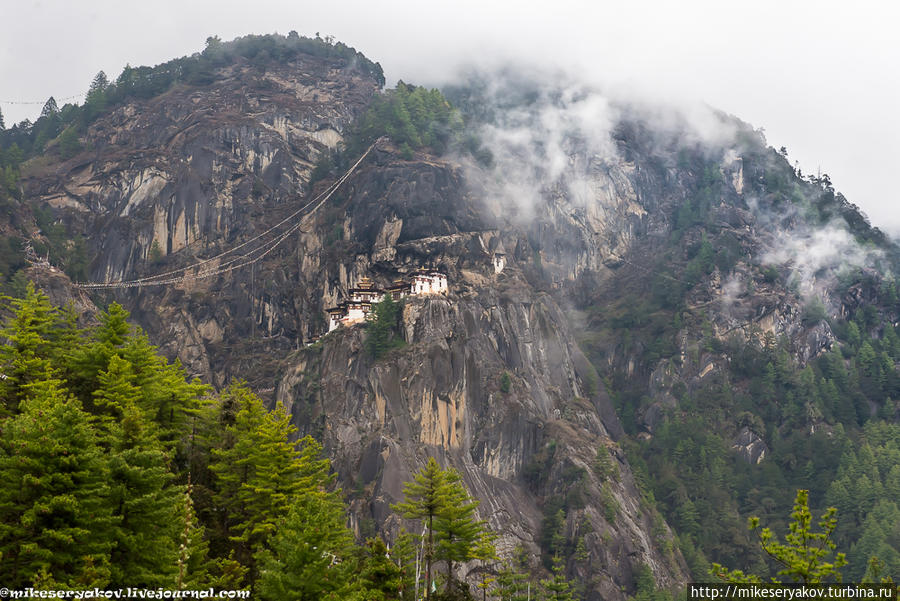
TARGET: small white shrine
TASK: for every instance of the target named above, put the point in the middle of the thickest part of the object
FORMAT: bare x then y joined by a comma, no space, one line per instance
429,282
499,262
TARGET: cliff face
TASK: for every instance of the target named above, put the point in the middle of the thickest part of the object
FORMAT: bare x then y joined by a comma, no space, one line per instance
192,172
441,393
175,179
194,166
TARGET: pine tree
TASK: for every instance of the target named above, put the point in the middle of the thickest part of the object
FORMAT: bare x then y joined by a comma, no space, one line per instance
425,498
880,533
259,472
486,552
55,515
307,558
95,100
557,588
892,482
379,576
50,108
227,573
457,531
48,124
805,555
166,395
141,491
85,362
37,336
403,553
439,498
512,585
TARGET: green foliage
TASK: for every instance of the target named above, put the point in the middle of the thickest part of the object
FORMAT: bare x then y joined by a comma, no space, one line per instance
96,98
459,535
116,471
805,556
335,234
193,548
12,257
37,337
808,417
145,502
645,586
413,117
864,491
156,254
101,505
537,470
603,465
814,312
512,585
259,473
66,250
69,144
10,159
147,82
505,382
54,516
608,504
382,573
557,588
453,534
308,555
383,327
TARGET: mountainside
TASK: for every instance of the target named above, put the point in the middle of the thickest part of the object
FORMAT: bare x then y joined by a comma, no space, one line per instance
660,280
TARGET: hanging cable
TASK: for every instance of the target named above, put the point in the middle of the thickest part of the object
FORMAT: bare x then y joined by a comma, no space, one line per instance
36,102
180,275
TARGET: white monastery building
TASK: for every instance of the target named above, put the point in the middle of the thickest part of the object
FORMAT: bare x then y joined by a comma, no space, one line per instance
357,307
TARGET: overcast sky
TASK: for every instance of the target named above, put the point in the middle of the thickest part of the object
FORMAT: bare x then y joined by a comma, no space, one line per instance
820,77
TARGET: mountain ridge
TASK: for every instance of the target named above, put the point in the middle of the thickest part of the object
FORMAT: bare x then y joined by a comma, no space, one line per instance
629,273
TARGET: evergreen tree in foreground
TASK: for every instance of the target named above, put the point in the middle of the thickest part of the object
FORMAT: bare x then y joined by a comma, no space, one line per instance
425,499
805,555
512,585
380,576
37,336
144,499
438,498
309,557
460,535
259,472
56,521
97,437
557,588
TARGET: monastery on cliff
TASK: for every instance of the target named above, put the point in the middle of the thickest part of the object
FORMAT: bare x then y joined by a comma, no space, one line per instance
361,299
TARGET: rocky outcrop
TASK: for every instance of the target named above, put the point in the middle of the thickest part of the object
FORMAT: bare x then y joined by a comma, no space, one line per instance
59,289
749,446
440,396
195,167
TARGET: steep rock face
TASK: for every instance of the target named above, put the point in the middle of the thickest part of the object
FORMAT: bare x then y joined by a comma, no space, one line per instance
440,396
59,289
193,166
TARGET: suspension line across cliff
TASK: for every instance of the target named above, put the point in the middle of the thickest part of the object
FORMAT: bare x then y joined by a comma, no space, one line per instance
205,269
